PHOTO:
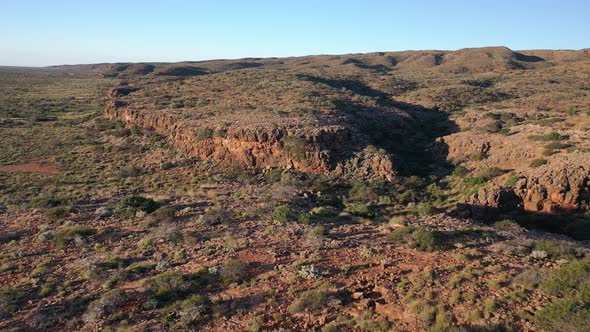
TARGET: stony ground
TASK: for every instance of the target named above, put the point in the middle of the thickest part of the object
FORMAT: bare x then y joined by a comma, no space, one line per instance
469,216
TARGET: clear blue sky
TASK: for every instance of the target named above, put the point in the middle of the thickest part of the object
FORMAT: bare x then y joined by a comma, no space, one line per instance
47,32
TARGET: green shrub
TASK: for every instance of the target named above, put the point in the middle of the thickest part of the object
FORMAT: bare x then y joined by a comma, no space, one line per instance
47,202
424,209
538,162
305,218
474,181
556,249
564,315
311,300
492,127
554,136
189,312
108,303
57,213
318,231
322,212
568,279
203,134
161,215
234,270
363,193
416,237
64,237
556,146
491,172
167,286
128,206
282,213
10,299
359,210
460,171
294,147
135,131
129,171
512,180
479,156
505,224
330,200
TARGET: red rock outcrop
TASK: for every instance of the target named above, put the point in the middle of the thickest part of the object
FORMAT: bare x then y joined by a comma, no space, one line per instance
258,146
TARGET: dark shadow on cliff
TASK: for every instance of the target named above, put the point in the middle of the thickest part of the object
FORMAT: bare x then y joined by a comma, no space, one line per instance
406,131
573,223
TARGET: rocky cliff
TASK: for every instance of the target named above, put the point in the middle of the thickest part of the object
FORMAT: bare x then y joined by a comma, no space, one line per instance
265,143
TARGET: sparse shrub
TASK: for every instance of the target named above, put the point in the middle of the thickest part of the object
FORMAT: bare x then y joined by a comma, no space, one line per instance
479,156
530,278
538,162
167,286
512,180
294,147
161,215
10,299
169,232
363,193
103,212
424,311
398,221
564,315
424,209
555,136
57,213
203,134
474,181
493,127
416,237
359,209
234,270
129,171
568,279
309,271
505,224
189,312
330,328
128,206
460,171
108,303
48,202
556,146
311,300
322,212
305,218
282,213
491,172
64,237
135,131
555,249
330,200
455,296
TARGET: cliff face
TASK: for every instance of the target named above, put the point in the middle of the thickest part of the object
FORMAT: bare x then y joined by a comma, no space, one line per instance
561,184
316,150
560,187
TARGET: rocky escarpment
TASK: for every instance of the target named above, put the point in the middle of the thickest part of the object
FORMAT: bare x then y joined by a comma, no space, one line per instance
266,143
563,186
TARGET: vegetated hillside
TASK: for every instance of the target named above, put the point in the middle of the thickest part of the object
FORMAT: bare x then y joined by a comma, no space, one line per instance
405,191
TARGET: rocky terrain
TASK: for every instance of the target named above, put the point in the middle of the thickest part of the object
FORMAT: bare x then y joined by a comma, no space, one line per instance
392,191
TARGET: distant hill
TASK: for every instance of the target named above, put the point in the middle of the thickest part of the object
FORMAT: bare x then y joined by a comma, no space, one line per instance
467,60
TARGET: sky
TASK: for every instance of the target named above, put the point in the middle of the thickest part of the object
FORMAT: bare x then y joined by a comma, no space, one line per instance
53,32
